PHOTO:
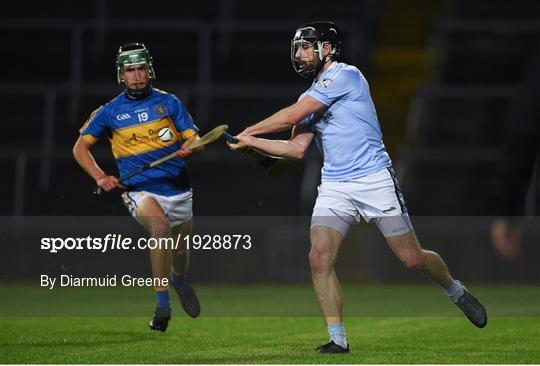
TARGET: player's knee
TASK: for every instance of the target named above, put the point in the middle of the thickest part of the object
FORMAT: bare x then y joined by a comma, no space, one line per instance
160,227
319,260
415,261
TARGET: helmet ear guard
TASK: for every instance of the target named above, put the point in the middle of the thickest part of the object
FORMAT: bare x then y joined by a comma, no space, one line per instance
320,48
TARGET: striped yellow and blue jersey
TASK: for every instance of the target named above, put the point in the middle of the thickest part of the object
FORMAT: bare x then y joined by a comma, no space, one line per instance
132,128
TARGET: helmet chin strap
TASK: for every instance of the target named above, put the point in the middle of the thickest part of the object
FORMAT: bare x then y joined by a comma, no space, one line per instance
138,93
323,60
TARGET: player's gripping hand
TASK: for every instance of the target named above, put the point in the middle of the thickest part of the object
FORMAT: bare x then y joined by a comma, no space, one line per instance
184,151
244,143
109,182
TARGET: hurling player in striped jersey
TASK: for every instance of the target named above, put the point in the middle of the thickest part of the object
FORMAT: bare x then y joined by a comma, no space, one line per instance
144,124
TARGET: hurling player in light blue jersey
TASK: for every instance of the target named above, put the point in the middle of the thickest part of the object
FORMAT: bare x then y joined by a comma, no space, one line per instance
357,176
144,124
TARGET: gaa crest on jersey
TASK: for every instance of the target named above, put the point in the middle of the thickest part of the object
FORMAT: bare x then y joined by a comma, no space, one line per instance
324,82
161,109
123,116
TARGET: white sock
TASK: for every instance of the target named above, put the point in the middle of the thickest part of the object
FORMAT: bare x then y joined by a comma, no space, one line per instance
455,290
337,334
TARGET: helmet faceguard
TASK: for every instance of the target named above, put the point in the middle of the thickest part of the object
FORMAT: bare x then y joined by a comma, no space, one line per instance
315,35
130,55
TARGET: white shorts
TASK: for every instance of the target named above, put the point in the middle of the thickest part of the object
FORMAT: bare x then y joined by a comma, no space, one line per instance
178,208
374,197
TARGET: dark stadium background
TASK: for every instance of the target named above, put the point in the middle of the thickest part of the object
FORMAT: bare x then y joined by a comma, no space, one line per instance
443,75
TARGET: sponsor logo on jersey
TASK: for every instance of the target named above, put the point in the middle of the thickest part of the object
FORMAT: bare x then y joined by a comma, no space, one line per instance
135,140
324,83
123,116
321,117
141,138
139,110
392,208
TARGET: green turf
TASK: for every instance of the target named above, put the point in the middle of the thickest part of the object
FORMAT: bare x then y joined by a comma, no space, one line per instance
385,324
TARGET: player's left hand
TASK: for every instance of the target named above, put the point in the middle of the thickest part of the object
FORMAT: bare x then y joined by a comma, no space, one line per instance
184,151
244,142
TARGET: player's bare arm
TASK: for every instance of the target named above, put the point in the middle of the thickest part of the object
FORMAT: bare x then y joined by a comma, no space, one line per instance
294,148
81,152
286,118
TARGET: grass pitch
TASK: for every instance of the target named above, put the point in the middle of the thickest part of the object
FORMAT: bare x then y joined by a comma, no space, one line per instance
266,324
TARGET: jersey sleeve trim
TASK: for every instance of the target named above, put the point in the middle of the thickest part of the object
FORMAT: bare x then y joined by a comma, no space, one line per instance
87,122
89,138
188,133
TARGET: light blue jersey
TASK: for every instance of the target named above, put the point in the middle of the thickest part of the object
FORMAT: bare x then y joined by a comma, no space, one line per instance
347,132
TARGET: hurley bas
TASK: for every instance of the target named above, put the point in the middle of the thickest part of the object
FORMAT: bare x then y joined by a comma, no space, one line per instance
107,281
